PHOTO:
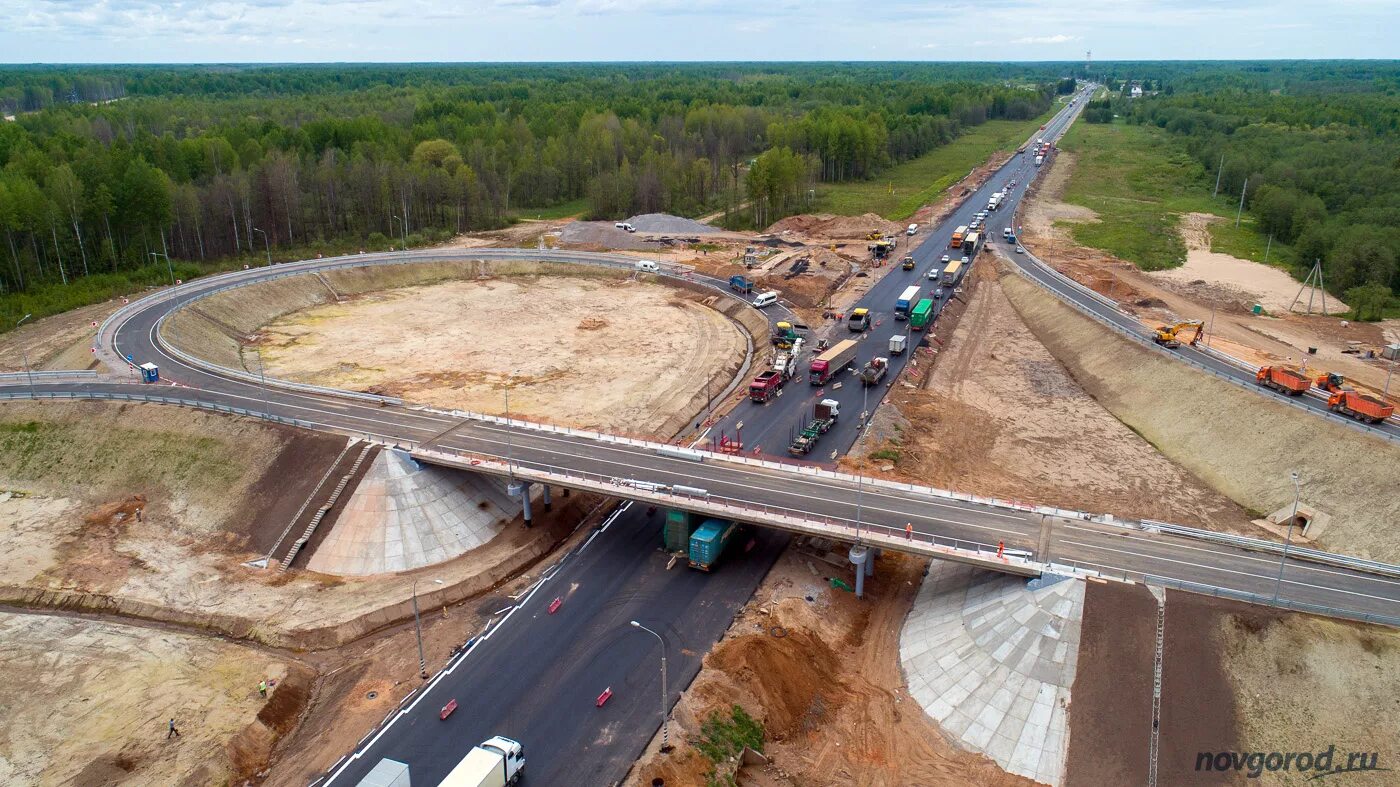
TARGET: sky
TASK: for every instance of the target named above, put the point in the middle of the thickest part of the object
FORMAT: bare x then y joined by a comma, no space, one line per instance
194,31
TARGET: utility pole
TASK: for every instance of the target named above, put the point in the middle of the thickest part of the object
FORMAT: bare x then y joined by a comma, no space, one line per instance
418,629
1278,586
1218,171
266,247
29,370
1268,246
168,266
665,733
1240,211
262,373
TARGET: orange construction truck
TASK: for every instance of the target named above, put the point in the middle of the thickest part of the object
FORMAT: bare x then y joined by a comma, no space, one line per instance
1284,379
1360,406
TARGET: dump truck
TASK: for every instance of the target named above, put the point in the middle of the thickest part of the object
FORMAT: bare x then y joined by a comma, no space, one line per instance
958,235
1284,379
824,415
494,763
826,365
765,386
1169,336
859,320
1360,406
906,301
923,312
708,541
874,371
741,284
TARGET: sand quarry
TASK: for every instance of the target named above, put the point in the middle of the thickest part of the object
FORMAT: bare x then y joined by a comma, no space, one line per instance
602,354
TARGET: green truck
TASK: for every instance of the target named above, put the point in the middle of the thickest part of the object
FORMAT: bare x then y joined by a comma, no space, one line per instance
823,418
675,533
919,317
708,541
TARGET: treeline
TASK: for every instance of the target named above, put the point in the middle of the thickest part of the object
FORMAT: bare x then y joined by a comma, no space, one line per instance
1317,161
208,163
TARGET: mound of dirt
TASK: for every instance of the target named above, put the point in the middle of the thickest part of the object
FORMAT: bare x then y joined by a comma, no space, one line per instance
826,226
665,222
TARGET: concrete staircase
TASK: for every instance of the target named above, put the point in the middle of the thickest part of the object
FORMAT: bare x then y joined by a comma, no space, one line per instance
321,512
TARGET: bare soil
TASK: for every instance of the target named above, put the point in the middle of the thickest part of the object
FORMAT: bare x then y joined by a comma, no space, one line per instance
823,677
998,415
614,355
63,341
88,703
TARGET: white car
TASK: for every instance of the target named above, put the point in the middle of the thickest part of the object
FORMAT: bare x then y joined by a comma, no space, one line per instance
934,273
964,260
946,259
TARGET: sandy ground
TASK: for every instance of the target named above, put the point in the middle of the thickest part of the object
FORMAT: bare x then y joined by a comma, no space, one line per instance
87,702
823,677
1217,288
1000,416
620,356
63,341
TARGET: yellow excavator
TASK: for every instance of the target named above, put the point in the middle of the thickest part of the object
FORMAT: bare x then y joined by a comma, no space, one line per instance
1170,335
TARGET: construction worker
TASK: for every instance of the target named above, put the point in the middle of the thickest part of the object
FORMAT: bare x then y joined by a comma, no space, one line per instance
262,688
909,531
173,733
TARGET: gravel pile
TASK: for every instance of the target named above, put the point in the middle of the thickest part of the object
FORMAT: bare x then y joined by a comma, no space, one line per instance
603,235
665,222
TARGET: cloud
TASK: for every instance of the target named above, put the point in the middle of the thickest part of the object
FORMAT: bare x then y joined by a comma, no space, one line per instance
1056,39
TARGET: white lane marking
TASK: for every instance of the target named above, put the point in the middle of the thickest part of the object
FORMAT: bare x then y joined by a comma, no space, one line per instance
1237,552
1326,588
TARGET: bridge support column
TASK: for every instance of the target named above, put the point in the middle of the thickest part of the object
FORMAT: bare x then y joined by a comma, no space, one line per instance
870,564
860,556
521,489
545,497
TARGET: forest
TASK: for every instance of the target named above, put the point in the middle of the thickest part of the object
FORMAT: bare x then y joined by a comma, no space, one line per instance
130,172
1314,149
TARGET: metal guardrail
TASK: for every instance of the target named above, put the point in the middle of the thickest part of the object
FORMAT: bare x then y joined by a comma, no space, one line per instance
1272,547
1255,598
48,374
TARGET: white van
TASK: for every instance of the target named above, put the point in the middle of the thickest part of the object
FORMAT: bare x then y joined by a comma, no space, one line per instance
913,228
765,299
647,266
622,225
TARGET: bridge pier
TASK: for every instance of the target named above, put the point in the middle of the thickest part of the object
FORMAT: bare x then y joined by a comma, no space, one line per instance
521,489
860,556
544,498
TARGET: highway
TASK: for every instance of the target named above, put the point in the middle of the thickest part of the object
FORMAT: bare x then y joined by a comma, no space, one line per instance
536,675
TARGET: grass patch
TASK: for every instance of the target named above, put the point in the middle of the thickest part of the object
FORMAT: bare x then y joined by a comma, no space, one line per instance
901,190
564,210
723,739
886,454
1140,181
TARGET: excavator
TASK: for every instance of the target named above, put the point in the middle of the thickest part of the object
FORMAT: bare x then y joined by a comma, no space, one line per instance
1168,335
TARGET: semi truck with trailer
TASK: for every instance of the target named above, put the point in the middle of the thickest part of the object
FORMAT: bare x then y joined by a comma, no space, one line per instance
824,415
952,272
826,365
922,313
495,763
906,301
708,541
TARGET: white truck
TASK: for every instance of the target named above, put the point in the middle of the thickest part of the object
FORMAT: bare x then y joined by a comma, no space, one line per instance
995,201
785,362
388,773
494,763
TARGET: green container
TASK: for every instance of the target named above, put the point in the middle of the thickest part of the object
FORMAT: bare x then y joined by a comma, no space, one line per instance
1257,308
675,533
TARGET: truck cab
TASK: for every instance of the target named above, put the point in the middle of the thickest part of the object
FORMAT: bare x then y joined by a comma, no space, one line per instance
496,762
859,320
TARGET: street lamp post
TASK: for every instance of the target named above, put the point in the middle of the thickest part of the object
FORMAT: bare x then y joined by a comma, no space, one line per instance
266,246
1288,540
168,266
510,450
418,629
665,733
403,227
262,375
28,370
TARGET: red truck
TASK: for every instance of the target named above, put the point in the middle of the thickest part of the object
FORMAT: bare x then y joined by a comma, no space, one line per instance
1360,406
827,364
765,386
1284,379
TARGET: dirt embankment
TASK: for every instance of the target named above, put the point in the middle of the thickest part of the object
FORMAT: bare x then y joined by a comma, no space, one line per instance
89,702
1235,440
63,341
820,670
999,416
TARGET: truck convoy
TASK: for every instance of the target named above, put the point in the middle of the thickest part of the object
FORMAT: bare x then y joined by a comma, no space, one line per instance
708,541
495,763
824,415
874,371
765,386
906,301
1360,406
826,365
923,312
1284,379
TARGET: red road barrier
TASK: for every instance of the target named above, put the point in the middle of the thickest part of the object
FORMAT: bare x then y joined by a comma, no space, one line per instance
555,605
604,697
447,709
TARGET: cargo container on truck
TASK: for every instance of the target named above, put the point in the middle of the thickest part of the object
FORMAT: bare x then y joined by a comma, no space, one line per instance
675,532
494,763
906,301
765,386
923,312
824,415
708,541
995,201
897,344
387,773
958,234
1284,379
952,272
1360,406
971,241
826,365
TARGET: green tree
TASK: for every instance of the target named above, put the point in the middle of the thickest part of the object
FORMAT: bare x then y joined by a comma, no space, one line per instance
1368,301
